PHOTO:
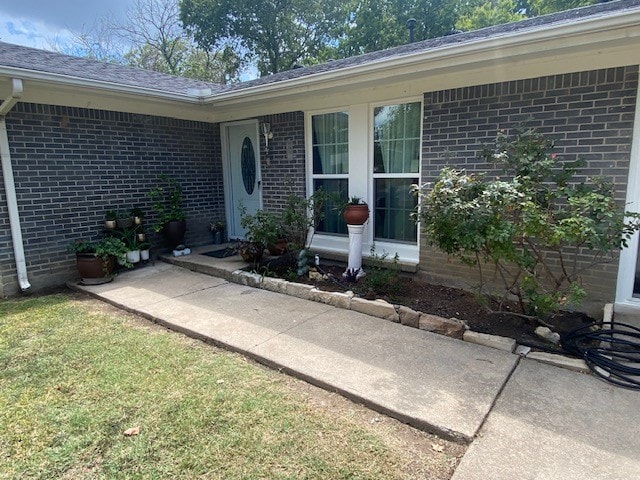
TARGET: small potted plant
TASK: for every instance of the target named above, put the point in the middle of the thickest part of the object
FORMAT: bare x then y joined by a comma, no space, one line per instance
166,201
137,215
217,229
96,260
110,219
145,251
356,211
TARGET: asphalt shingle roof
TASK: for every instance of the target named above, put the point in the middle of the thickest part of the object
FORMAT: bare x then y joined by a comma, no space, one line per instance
56,63
52,62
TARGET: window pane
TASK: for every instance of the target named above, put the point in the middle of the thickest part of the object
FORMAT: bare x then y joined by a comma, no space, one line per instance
330,142
397,138
332,222
393,208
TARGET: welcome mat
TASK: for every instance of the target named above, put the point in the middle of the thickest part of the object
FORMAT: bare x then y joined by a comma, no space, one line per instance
222,253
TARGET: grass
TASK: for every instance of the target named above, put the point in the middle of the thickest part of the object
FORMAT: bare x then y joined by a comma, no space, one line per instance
74,376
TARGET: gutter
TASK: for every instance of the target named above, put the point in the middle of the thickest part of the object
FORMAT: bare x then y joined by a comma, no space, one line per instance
9,185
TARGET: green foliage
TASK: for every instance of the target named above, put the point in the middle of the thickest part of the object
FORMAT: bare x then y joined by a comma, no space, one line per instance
300,215
261,228
539,227
276,35
166,202
544,7
382,275
491,12
105,249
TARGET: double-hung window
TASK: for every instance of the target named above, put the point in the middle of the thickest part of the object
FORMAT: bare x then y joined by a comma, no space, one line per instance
396,166
330,147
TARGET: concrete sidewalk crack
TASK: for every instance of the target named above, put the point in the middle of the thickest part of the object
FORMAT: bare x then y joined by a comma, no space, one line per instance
498,395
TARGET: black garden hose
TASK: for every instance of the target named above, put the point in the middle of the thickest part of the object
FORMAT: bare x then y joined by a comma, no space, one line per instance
612,351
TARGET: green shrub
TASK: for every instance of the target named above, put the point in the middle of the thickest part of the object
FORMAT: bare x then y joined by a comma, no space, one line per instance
535,226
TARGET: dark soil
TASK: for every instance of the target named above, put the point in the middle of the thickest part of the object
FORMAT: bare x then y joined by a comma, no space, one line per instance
452,303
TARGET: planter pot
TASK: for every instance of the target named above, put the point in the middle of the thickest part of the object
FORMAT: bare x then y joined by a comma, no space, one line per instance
141,237
217,237
144,255
250,253
278,248
356,214
126,222
110,224
133,256
93,270
137,220
174,233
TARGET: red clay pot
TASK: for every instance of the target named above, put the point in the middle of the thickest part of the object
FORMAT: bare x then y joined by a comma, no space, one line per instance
356,214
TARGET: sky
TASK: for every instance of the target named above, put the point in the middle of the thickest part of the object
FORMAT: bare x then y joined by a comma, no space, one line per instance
39,23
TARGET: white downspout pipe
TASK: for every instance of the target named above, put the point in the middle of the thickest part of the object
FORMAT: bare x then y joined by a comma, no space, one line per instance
9,185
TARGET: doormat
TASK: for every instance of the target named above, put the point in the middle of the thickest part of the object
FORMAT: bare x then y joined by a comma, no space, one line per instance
222,253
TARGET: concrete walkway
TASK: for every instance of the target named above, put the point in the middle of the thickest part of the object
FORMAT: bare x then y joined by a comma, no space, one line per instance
547,423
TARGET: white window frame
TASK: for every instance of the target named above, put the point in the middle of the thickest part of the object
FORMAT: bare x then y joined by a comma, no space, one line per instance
361,179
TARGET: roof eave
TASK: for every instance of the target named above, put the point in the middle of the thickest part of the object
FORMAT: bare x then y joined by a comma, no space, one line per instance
69,80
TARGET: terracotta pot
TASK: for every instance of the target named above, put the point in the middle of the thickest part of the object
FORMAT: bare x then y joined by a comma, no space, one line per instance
91,267
356,214
174,232
278,248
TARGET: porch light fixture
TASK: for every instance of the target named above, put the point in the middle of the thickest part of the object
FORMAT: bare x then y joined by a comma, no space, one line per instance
265,127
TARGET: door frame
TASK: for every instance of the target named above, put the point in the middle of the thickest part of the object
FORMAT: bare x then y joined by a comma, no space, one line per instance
625,301
226,169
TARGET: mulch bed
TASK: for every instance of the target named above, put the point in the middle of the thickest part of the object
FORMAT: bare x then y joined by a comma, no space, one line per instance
456,303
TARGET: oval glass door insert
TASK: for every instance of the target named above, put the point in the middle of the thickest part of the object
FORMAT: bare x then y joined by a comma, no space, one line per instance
248,165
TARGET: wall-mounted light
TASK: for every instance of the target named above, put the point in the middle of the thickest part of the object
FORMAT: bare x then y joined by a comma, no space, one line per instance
265,127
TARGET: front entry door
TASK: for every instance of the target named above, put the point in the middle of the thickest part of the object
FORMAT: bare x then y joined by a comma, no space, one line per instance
242,151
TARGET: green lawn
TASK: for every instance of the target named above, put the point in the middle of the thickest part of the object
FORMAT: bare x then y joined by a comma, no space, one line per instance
74,375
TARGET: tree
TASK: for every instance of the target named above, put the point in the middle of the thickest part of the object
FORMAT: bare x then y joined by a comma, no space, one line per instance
161,44
152,38
534,8
373,25
275,34
492,12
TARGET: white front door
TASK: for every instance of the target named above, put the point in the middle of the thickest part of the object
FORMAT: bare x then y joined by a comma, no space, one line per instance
241,149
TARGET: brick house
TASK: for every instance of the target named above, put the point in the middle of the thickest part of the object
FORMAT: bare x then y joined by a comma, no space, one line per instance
83,137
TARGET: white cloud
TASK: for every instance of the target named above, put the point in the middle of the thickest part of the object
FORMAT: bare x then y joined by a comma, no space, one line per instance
31,33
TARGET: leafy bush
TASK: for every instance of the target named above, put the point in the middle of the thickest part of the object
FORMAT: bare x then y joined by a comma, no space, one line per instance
382,274
166,202
538,227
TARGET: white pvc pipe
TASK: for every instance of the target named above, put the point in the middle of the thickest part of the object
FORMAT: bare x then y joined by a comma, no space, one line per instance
10,188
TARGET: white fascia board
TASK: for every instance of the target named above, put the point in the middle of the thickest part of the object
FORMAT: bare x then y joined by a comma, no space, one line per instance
69,80
558,33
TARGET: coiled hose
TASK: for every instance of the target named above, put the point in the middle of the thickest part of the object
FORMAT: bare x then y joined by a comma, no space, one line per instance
612,351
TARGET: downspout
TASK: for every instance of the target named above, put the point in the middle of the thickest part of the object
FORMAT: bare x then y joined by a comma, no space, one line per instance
9,185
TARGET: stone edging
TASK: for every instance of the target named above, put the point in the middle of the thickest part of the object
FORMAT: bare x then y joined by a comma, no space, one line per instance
406,316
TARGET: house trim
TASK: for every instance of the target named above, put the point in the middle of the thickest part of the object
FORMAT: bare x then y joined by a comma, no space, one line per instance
629,256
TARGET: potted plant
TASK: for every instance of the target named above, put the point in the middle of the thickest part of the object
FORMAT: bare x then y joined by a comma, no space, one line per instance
145,251
96,260
217,229
261,229
355,211
110,219
124,220
137,215
167,204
